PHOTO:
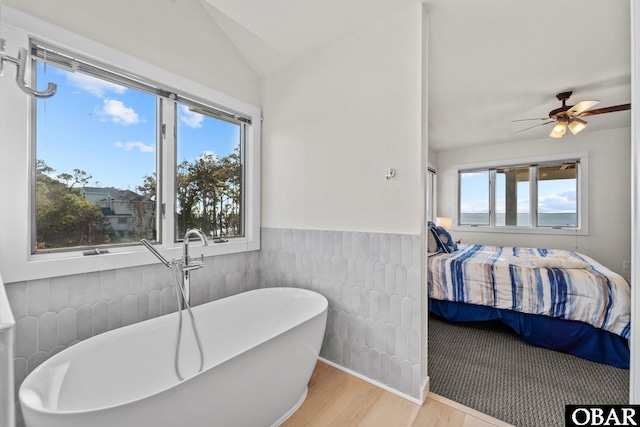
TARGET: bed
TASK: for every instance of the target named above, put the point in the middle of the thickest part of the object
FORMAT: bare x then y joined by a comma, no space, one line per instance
556,299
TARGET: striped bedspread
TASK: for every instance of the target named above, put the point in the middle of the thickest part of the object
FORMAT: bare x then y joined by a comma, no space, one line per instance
549,282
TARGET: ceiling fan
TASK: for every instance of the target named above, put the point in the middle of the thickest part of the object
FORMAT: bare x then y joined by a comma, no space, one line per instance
568,116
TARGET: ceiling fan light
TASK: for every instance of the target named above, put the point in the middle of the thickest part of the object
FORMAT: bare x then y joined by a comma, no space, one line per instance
577,125
558,130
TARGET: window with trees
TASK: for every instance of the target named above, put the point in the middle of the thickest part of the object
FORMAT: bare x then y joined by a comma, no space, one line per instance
548,194
100,149
209,173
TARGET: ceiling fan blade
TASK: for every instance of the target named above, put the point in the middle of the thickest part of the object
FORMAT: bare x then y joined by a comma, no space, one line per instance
526,120
604,110
541,124
580,107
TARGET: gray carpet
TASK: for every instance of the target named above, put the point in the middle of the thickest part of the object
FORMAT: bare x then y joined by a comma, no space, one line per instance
486,366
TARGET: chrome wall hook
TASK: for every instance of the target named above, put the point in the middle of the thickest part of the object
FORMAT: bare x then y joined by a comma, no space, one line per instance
21,65
391,173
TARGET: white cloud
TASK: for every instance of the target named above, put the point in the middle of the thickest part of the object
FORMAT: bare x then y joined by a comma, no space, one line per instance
92,85
129,146
564,201
208,155
118,112
189,118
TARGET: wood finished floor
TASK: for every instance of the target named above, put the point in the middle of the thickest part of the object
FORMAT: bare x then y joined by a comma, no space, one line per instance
336,398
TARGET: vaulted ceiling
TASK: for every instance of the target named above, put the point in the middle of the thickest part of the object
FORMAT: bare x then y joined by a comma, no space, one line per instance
272,34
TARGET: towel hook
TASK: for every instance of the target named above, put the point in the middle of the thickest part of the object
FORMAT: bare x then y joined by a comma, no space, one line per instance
21,64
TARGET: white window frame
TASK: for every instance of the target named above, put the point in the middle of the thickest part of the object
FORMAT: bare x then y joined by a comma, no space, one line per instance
582,195
17,263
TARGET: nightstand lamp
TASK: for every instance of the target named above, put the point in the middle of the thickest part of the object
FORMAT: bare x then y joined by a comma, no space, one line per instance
443,221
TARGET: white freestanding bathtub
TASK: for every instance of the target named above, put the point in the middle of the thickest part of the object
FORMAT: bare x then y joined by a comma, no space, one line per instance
260,349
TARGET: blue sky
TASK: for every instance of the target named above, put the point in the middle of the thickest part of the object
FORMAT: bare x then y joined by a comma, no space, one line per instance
109,131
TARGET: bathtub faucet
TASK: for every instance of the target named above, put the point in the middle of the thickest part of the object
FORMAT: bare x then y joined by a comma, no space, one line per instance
185,265
188,265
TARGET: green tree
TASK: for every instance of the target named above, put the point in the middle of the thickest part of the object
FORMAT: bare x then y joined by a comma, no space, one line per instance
63,217
143,209
209,195
187,198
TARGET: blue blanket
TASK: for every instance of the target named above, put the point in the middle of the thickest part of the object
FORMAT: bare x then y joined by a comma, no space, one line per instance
559,284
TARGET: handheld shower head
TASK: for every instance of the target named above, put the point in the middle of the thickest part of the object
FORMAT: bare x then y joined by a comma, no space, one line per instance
153,250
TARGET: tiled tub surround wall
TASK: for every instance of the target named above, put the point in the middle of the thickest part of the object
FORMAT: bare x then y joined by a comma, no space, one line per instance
51,314
372,283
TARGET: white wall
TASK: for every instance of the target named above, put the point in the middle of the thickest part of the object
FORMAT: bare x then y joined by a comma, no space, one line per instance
335,121
609,239
432,155
176,35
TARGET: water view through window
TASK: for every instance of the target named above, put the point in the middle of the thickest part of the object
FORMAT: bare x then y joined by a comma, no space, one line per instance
557,204
474,198
557,190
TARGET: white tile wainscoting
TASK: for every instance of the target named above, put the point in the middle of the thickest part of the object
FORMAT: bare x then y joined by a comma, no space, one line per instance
372,283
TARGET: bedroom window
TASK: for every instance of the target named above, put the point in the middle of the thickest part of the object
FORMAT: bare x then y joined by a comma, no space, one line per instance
544,195
557,190
112,150
512,196
474,198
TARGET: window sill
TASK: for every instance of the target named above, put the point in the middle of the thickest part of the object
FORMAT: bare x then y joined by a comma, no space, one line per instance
40,266
524,230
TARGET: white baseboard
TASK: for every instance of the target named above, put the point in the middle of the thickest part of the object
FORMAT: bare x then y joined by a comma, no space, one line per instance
380,385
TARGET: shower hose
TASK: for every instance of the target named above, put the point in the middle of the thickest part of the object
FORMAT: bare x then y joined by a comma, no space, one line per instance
180,293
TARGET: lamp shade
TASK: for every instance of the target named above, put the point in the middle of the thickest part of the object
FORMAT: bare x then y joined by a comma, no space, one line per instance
443,221
576,125
559,130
